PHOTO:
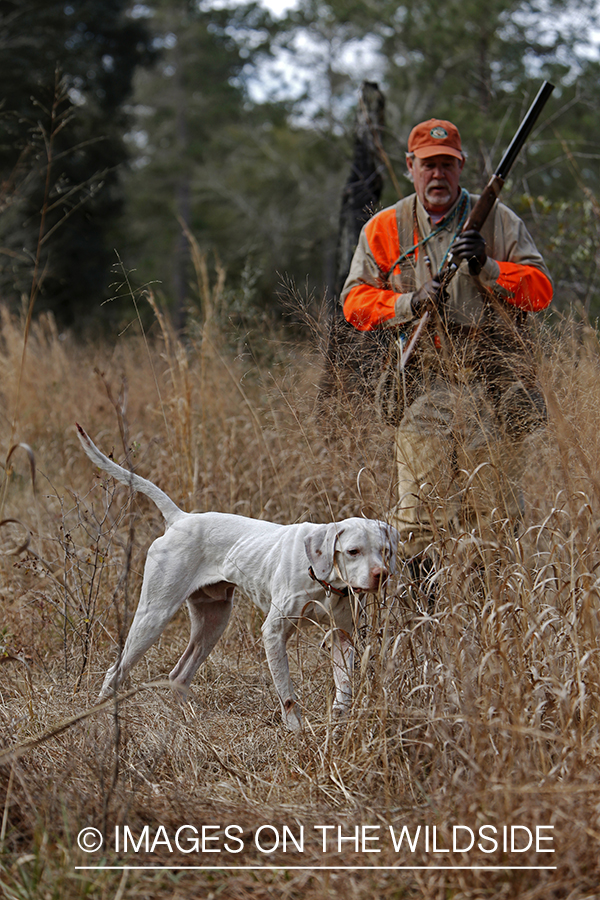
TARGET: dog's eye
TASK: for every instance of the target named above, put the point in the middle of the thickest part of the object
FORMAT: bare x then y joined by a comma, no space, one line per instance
354,552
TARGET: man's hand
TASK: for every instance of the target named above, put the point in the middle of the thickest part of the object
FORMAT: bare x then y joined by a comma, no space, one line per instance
470,246
426,297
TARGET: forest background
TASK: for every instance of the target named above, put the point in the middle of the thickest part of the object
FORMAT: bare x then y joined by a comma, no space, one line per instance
123,125
201,149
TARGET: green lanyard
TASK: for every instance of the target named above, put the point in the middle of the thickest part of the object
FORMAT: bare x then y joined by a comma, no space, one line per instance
461,209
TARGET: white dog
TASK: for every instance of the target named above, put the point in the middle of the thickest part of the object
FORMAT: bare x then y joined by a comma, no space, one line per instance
292,573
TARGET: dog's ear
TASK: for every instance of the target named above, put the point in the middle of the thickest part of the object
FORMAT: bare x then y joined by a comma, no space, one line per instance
320,548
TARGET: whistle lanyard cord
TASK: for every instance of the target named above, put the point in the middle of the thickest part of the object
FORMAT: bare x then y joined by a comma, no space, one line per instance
460,209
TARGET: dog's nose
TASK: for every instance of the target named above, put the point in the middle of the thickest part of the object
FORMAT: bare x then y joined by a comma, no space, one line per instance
379,574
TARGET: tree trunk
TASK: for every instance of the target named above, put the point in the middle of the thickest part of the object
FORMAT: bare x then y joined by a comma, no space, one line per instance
182,200
352,358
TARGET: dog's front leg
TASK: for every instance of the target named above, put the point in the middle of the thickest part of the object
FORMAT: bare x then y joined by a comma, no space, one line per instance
342,654
276,630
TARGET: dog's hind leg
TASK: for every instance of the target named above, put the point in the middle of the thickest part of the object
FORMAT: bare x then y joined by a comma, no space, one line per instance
145,630
161,596
209,610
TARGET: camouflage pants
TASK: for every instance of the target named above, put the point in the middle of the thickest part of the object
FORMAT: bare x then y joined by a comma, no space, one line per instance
459,462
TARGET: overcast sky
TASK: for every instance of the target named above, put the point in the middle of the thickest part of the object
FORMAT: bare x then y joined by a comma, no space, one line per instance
278,6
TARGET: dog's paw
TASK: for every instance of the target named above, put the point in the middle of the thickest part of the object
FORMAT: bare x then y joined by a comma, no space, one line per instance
341,705
180,692
291,716
339,719
339,722
109,685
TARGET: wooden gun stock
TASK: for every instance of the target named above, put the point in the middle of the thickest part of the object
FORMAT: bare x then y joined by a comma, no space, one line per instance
476,218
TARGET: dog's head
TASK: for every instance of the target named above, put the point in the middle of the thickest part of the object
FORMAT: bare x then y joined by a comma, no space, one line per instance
360,553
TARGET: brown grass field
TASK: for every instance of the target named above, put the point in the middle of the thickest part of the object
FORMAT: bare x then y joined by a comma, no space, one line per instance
482,712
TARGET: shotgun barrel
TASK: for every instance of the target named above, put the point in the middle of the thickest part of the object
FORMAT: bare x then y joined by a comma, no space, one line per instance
524,130
489,195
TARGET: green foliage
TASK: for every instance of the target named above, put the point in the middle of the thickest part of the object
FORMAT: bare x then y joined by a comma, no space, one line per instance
569,236
249,184
66,69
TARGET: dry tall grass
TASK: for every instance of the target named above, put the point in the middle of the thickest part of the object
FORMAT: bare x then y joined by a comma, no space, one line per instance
483,710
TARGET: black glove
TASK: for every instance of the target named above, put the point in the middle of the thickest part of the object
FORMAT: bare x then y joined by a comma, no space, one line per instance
470,246
426,297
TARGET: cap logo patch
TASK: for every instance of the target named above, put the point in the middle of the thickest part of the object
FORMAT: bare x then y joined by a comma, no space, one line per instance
438,132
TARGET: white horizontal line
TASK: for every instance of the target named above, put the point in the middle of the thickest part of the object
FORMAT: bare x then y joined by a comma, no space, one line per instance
328,868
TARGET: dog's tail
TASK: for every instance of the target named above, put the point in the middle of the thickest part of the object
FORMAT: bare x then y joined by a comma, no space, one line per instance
170,510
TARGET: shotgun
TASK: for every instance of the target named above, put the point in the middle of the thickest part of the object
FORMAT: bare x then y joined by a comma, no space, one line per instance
488,197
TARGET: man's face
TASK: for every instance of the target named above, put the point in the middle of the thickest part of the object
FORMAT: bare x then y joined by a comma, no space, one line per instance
436,180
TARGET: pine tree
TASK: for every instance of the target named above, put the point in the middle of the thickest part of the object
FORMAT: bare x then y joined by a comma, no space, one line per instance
66,70
256,190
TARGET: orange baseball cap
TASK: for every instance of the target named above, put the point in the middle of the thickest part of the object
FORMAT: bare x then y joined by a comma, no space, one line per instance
436,137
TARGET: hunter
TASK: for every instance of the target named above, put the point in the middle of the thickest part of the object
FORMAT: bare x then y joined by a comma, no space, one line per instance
468,397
